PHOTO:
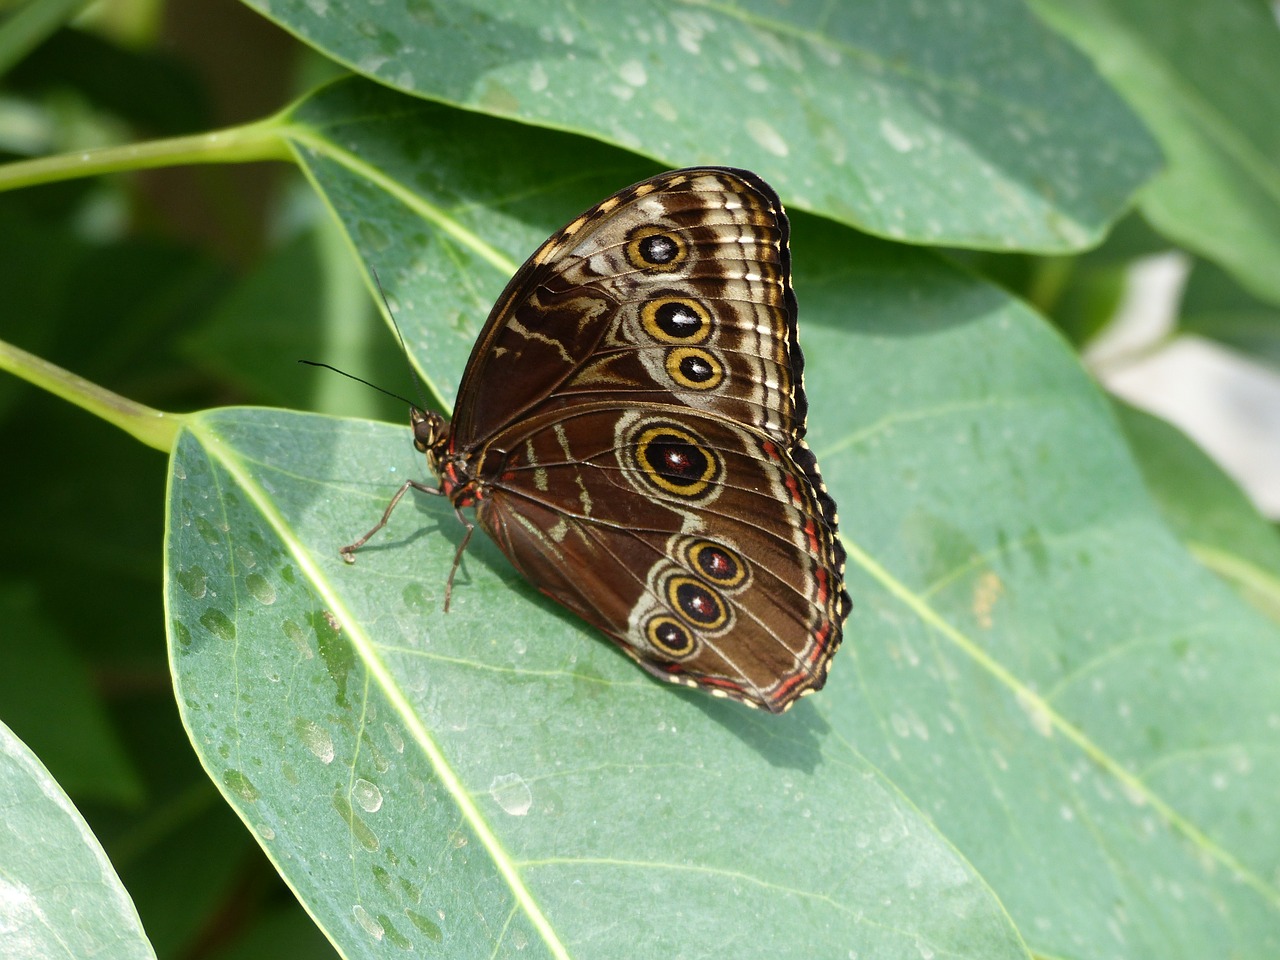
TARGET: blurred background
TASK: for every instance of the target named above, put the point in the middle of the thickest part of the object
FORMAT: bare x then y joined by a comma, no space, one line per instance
162,286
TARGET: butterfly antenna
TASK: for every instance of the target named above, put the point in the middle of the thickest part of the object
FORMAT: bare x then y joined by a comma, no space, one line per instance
352,376
400,336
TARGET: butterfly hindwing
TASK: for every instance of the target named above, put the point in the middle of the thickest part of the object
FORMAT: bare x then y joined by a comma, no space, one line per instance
700,546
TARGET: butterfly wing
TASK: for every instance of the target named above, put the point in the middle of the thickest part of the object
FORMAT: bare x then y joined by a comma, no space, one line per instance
632,421
674,290
706,550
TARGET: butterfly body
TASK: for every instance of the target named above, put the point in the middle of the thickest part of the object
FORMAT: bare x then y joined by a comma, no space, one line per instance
630,433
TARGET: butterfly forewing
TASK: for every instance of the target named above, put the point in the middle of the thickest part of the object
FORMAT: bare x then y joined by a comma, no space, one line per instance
675,290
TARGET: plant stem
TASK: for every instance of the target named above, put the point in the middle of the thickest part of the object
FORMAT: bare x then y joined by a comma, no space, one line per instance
263,140
153,427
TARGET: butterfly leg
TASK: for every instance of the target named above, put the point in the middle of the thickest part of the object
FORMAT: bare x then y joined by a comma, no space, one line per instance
457,557
349,551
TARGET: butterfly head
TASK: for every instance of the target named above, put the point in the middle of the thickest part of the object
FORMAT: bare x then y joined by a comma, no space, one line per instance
430,434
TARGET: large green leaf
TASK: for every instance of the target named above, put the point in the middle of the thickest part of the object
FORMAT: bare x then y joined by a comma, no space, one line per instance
499,778
1048,725
59,896
965,123
1202,76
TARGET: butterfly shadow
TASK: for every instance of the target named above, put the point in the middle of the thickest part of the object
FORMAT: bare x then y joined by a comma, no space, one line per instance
792,741
434,523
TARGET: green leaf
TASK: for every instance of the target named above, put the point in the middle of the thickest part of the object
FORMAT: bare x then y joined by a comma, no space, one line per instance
1043,732
964,123
455,783
1200,75
60,896
1205,508
1043,669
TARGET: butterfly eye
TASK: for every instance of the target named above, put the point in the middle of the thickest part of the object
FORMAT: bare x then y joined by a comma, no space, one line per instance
676,320
718,564
652,248
658,249
694,369
697,603
669,636
675,460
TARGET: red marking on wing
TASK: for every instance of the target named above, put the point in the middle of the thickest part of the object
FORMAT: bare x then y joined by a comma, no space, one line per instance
824,585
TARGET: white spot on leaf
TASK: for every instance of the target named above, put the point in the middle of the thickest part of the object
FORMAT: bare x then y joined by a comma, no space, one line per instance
633,72
1037,712
511,793
895,136
767,137
749,55
368,922
666,110
367,795
537,78
316,739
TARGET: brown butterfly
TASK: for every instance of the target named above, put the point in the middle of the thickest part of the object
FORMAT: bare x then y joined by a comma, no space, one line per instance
630,430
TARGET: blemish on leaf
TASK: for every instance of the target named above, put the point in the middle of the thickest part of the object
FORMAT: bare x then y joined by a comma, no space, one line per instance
240,785
195,581
367,795
337,655
370,925
260,589
359,829
298,637
218,623
394,936
430,929
986,593
511,793
208,532
315,738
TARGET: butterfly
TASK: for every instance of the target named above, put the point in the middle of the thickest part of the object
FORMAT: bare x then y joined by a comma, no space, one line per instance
630,433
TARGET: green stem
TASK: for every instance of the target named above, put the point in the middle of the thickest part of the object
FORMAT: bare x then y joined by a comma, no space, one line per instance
153,427
263,140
